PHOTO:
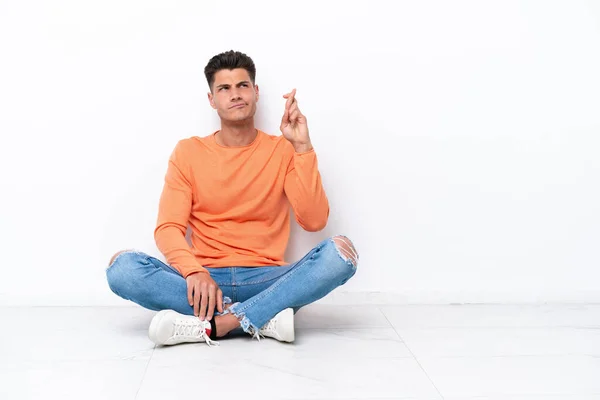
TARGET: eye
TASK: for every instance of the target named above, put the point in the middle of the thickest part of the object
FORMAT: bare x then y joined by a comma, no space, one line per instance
244,84
222,88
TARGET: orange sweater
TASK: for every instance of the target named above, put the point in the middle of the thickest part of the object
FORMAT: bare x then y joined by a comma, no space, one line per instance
235,200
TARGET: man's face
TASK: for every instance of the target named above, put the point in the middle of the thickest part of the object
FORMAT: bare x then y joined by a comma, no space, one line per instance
233,95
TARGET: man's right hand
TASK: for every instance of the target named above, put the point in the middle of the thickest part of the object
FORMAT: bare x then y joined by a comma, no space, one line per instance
204,294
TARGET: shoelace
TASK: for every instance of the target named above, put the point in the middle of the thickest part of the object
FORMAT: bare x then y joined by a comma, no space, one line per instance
252,332
270,326
188,328
260,335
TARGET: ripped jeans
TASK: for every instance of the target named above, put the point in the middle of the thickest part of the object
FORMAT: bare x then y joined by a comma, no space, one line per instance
257,294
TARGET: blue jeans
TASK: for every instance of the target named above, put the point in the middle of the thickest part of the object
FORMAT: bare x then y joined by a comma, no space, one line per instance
257,293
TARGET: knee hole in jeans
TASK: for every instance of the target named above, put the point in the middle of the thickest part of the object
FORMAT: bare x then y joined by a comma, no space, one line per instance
346,249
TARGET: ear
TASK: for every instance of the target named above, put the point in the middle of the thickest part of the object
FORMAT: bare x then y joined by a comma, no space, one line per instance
211,100
256,91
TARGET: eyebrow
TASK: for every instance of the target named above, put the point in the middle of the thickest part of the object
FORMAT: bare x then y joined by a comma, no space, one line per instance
227,84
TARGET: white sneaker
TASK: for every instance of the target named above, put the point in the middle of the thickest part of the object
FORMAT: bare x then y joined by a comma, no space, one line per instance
169,327
281,327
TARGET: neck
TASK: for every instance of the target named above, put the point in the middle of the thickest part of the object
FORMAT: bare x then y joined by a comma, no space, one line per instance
240,134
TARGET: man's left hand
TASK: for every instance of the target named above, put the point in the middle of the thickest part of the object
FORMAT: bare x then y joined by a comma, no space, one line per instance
293,124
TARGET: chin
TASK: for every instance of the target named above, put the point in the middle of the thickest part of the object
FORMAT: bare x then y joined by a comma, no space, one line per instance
240,118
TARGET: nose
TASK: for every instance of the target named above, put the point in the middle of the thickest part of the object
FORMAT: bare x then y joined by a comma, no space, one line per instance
235,95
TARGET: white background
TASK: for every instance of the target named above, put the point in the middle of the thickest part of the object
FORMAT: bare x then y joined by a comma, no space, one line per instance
458,141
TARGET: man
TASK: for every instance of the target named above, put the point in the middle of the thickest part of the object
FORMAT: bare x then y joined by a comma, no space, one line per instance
234,189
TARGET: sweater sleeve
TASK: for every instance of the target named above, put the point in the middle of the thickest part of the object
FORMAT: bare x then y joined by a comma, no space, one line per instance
304,190
173,215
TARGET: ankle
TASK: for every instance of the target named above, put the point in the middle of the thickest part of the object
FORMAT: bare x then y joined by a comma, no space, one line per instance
225,324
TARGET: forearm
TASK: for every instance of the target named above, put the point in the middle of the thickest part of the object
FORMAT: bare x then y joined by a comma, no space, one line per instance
306,193
170,240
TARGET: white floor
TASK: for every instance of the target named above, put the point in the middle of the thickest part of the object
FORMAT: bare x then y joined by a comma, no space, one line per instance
358,352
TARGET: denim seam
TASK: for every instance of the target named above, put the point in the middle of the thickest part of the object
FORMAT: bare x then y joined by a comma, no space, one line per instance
262,281
169,267
284,278
302,260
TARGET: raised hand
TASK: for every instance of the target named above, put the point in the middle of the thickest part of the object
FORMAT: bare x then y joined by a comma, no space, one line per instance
293,124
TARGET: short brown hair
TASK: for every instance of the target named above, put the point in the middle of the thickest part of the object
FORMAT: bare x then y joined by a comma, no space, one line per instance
229,60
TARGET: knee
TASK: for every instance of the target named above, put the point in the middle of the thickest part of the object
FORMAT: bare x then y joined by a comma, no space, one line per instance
117,254
121,270
344,259
346,249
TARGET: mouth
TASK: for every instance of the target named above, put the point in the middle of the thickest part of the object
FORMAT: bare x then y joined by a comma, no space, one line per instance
241,105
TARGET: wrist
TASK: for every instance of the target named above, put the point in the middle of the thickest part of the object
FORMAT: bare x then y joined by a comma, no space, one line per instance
197,272
302,147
